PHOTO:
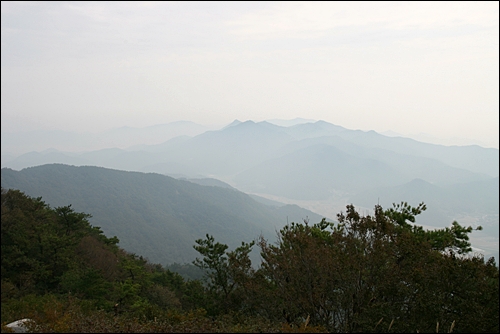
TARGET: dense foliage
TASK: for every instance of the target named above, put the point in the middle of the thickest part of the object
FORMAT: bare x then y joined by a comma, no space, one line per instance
375,273
381,271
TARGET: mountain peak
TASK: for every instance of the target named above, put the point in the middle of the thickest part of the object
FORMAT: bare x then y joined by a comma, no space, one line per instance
233,123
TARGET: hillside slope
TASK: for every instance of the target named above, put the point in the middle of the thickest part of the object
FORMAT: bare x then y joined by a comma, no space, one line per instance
154,215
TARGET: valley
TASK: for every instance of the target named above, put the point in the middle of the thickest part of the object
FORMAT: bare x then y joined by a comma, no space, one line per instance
314,165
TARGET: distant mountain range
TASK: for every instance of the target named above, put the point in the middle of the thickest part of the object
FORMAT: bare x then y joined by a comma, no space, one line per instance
306,163
243,145
154,215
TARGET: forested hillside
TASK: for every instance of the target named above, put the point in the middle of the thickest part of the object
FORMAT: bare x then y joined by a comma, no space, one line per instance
154,215
380,273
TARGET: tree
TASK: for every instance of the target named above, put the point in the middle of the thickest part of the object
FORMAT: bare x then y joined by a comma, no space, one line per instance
226,272
45,249
379,272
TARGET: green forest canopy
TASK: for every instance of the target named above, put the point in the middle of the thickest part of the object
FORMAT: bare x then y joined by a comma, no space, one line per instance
366,273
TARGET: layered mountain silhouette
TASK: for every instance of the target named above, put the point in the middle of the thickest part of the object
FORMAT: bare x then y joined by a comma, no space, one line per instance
307,161
313,162
242,145
154,215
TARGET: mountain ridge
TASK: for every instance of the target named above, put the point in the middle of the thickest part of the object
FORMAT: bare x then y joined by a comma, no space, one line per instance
153,215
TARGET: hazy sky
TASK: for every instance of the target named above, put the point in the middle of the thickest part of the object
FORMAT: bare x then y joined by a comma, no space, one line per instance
408,67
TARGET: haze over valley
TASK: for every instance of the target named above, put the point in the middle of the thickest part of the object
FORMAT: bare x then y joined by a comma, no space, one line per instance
316,165
268,167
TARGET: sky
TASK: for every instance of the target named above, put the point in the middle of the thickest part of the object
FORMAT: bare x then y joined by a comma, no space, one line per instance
409,67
